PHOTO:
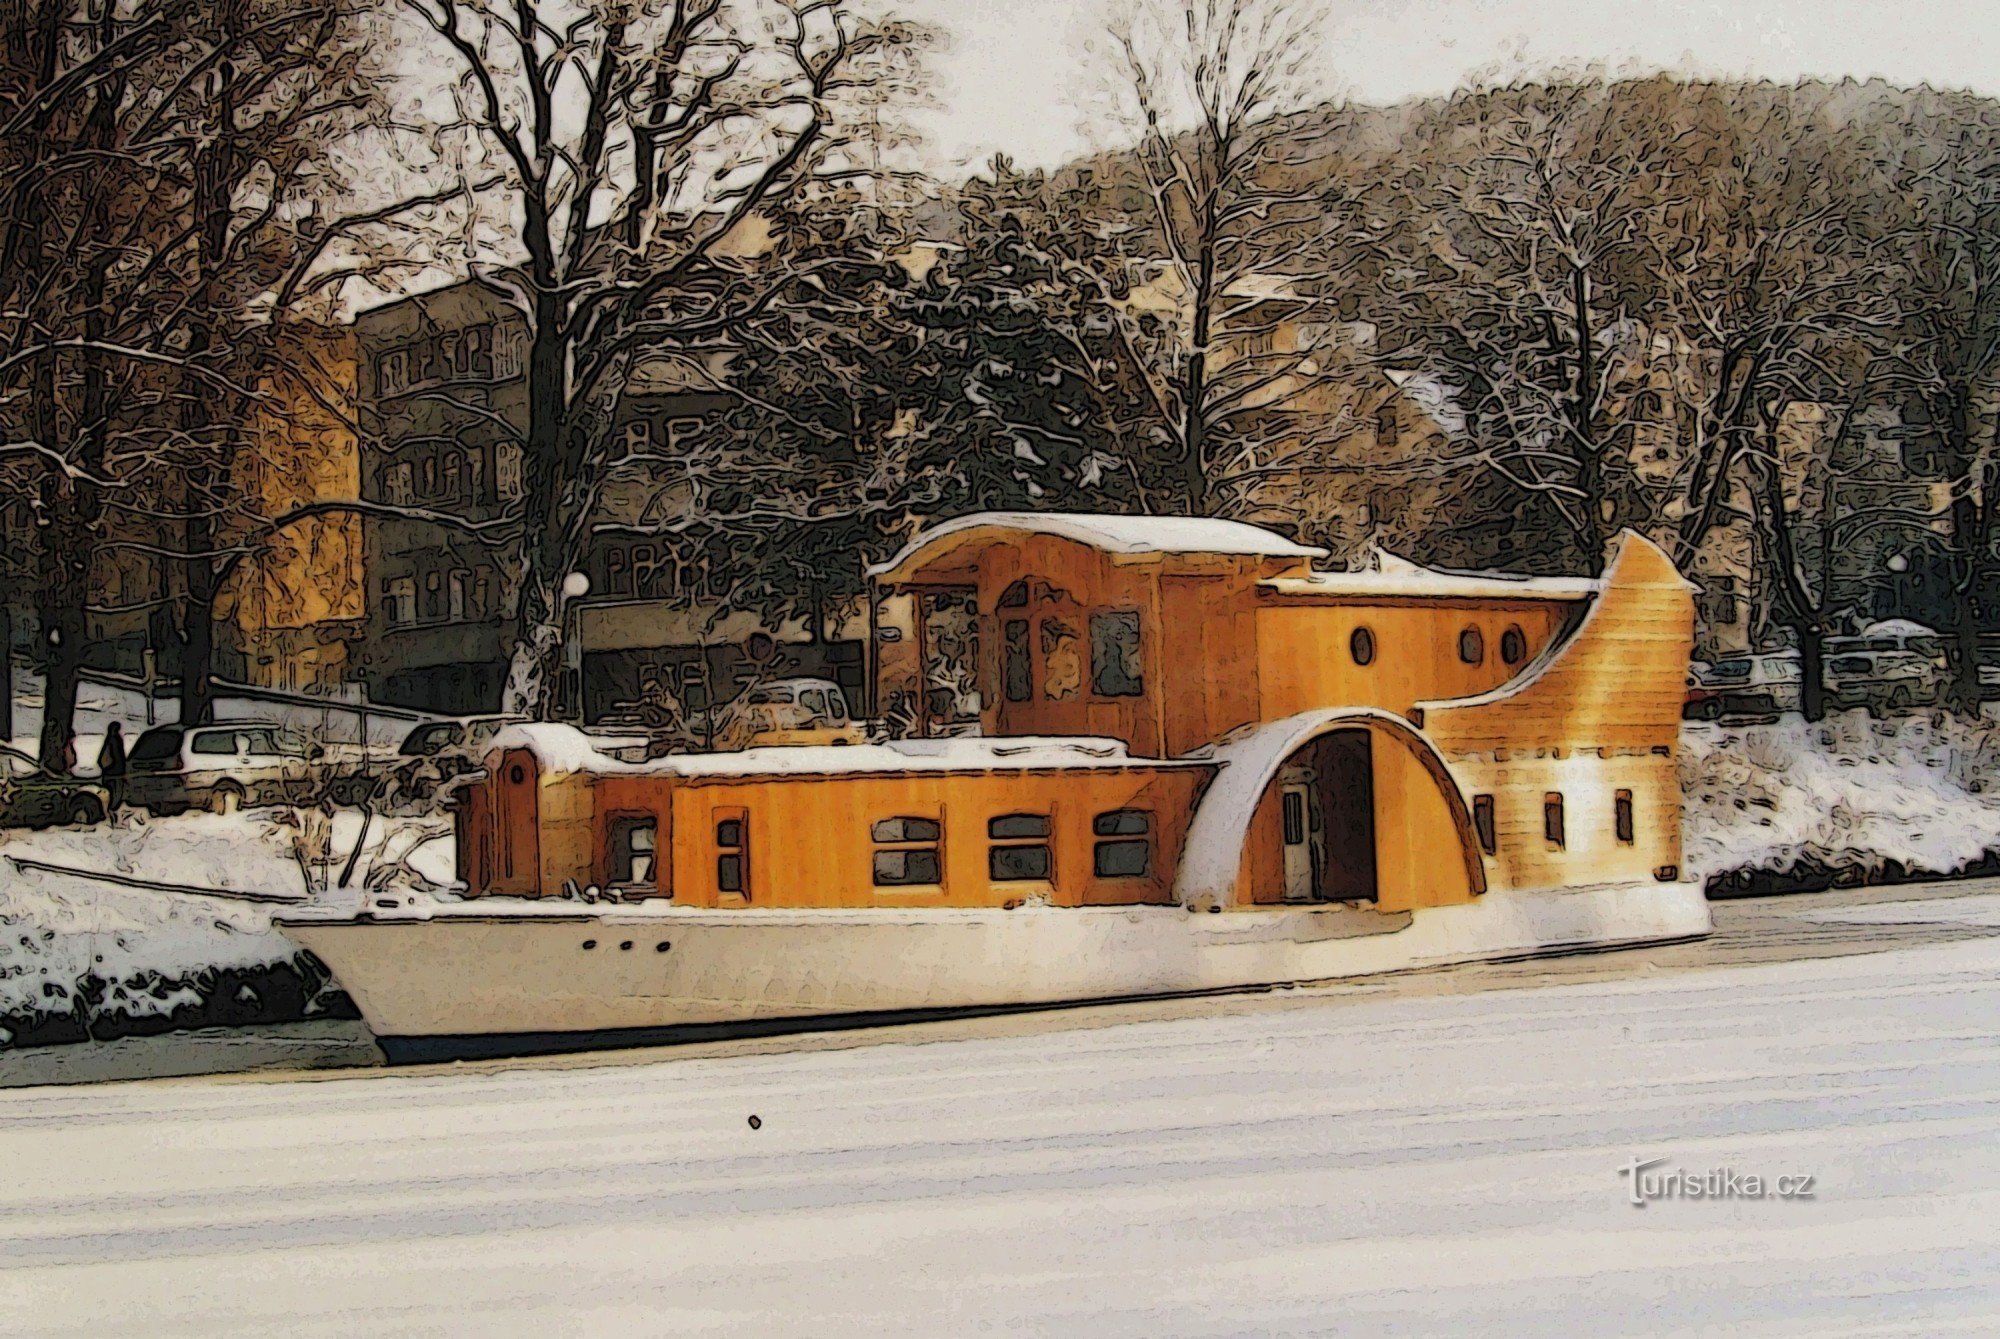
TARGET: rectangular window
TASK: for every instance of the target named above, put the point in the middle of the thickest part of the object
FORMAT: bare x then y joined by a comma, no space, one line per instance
434,605
1552,819
1115,670
1129,853
633,843
1621,809
732,852
1019,849
906,852
460,580
1294,803
392,373
508,346
1018,673
1482,822
399,601
508,468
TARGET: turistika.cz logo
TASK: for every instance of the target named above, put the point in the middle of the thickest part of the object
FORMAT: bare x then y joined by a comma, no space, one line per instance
1643,1185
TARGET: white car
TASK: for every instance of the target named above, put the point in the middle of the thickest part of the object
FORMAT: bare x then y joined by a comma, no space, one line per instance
221,768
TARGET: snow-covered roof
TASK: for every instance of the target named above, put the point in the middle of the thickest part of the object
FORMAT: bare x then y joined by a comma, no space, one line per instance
563,749
1404,580
1111,534
1898,627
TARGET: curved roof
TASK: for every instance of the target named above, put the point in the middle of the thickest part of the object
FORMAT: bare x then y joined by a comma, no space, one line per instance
1250,761
1110,534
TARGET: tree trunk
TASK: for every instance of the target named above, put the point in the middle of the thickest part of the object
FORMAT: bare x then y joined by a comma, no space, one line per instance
1583,443
1969,515
1812,668
59,598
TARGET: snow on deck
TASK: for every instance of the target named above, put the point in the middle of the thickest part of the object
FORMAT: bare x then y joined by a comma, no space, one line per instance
1427,1165
561,749
1422,583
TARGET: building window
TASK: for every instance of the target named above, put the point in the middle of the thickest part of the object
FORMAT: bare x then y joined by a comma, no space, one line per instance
479,472
648,572
1015,596
1621,810
1115,670
459,581
1471,646
1019,849
638,437
430,476
1513,646
1361,645
479,351
1128,854
508,468
732,852
399,601
633,850
617,574
392,372
482,593
1552,819
906,852
508,354
397,483
1018,671
1482,823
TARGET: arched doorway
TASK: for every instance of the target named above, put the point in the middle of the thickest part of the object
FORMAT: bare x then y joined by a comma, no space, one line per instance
1346,804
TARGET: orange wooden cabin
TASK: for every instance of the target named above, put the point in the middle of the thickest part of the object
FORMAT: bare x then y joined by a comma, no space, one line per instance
1172,711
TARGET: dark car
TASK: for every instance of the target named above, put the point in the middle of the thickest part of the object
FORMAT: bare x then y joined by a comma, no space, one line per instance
33,797
437,751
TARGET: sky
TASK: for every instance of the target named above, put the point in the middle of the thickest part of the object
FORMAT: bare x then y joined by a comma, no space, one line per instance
1018,74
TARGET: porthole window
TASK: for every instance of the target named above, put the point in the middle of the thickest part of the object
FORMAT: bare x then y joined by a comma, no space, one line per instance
517,774
1513,646
1361,645
1471,646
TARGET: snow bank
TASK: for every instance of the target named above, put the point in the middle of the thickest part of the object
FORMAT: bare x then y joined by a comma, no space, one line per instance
72,945
1851,794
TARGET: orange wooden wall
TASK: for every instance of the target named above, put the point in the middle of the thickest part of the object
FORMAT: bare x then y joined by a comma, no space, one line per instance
811,837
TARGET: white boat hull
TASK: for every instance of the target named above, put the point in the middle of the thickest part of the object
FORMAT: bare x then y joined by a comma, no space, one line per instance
495,978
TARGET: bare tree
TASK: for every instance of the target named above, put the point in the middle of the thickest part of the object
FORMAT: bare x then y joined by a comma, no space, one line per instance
642,150
1220,315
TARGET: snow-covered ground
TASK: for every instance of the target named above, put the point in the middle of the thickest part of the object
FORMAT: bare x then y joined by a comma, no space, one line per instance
1364,1163
1922,791
147,947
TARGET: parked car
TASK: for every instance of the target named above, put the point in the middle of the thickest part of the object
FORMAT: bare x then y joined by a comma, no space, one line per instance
787,711
31,796
1882,680
1764,684
219,767
437,751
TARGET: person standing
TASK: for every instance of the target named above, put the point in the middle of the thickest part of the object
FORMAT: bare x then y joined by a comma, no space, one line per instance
111,764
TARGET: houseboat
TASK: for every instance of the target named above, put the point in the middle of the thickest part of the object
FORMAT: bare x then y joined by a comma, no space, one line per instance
1199,765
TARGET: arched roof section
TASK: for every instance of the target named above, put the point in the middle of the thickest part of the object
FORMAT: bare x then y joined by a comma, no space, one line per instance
1251,760
1127,536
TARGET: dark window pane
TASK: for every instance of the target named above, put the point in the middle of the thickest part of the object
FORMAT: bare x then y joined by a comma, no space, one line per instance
1006,863
896,869
1361,645
1123,823
1123,860
1482,821
1471,646
1114,655
729,832
1015,596
1295,817
1018,825
1552,818
907,830
1513,646
1018,674
1622,812
729,873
